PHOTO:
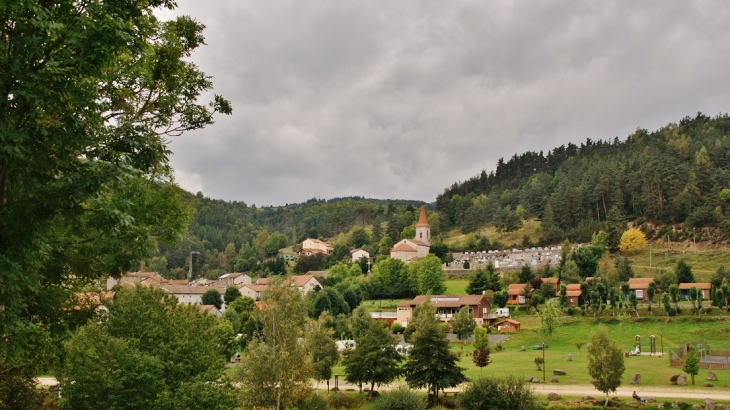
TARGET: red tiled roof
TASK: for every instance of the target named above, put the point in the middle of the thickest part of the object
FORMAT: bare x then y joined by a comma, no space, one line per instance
515,289
401,247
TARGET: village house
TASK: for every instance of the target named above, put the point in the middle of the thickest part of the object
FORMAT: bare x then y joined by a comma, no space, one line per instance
447,306
235,279
409,250
144,278
210,309
312,246
704,289
515,292
305,283
573,294
507,326
358,254
253,291
189,295
639,286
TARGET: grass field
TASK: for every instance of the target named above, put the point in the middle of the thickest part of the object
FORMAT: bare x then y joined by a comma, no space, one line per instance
654,370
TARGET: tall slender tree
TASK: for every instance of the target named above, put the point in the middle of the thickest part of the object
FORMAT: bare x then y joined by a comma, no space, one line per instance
431,364
605,362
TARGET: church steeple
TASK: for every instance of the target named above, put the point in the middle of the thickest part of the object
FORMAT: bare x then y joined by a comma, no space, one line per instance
423,229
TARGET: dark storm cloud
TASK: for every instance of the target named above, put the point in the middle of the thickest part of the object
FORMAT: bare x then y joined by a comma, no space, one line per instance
401,99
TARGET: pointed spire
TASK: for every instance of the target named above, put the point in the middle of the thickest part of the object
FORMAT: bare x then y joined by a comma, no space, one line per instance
422,221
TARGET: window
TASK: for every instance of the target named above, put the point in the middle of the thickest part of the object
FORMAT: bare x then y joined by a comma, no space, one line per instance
639,294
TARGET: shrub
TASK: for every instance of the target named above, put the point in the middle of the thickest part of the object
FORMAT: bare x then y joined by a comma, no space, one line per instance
667,405
314,402
397,328
684,406
342,401
556,407
504,393
401,398
571,310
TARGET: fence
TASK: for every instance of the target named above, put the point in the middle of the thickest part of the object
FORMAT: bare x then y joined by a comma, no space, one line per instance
676,358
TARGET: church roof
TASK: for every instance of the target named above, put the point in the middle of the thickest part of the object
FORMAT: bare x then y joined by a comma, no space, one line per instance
422,221
401,247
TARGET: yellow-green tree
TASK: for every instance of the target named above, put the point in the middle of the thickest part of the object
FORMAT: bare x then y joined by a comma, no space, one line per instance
632,240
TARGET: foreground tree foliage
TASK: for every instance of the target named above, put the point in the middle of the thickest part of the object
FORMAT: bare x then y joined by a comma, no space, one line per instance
90,92
374,359
275,372
605,362
148,352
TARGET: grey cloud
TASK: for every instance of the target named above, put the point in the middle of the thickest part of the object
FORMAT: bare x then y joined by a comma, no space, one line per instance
401,99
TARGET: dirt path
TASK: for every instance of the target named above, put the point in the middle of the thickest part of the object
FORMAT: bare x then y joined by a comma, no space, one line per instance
658,393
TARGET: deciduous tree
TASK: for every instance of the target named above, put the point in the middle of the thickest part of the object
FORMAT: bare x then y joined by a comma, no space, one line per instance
212,297
691,363
150,352
605,362
463,324
550,317
322,348
374,359
274,371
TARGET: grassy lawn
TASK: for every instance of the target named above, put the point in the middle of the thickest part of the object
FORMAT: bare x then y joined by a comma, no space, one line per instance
655,370
703,262
456,286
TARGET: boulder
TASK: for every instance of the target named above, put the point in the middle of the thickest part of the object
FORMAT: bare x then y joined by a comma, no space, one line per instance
682,380
569,357
522,348
528,378
648,399
636,379
536,380
554,380
709,401
572,381
708,384
553,396
559,372
697,406
711,376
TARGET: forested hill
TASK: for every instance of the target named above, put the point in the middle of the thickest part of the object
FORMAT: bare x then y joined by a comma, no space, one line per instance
231,235
672,175
222,222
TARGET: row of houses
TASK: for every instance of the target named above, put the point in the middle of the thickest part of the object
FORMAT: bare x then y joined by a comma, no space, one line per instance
192,293
639,286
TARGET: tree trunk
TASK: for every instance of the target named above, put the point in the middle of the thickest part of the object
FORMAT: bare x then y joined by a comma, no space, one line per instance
606,404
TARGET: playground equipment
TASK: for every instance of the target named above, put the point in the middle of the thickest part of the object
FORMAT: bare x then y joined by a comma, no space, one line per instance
638,346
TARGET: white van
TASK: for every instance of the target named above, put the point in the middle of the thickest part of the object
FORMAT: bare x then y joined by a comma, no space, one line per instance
502,312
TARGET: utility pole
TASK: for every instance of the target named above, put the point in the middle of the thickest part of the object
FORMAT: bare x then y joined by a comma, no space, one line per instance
190,271
694,241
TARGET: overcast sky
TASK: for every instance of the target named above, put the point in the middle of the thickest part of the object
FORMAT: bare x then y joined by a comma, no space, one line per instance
400,99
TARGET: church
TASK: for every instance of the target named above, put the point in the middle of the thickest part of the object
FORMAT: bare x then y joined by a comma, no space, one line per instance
409,250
